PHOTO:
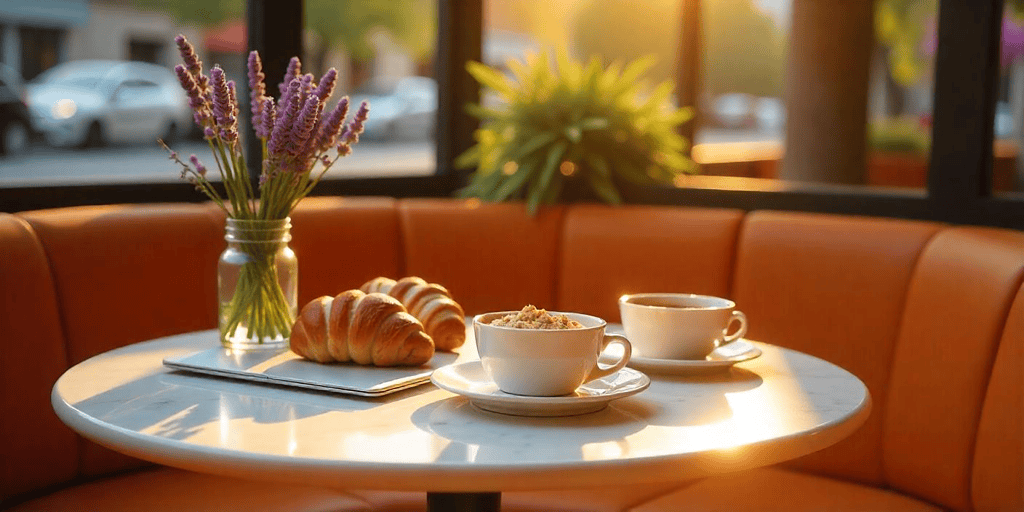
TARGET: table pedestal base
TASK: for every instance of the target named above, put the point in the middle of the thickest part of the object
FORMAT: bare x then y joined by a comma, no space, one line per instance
463,502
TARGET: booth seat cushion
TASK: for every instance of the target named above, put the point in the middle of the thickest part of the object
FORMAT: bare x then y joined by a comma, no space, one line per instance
167,489
602,499
776,490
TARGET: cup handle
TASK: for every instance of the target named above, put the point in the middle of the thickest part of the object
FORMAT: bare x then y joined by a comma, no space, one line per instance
602,371
736,315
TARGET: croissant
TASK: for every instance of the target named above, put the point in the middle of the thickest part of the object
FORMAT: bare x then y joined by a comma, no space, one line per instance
431,304
364,328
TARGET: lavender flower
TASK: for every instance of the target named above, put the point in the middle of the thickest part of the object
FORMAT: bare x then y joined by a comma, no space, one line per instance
224,104
200,168
351,134
257,87
295,129
196,101
193,64
305,87
329,129
188,56
304,125
221,97
326,86
265,123
293,71
287,112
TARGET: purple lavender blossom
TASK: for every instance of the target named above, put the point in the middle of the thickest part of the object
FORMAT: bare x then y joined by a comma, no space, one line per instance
209,133
266,120
223,108
257,87
188,56
286,115
303,126
196,101
353,129
293,71
200,168
305,87
326,86
329,129
326,160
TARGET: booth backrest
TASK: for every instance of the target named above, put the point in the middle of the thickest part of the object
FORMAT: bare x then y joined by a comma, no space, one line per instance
928,316
38,450
958,304
996,483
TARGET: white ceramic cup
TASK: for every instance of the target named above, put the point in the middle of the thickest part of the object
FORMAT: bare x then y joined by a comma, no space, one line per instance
679,325
545,362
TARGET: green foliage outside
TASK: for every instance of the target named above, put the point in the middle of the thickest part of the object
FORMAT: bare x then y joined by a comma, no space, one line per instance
207,13
347,24
569,124
744,51
902,25
899,135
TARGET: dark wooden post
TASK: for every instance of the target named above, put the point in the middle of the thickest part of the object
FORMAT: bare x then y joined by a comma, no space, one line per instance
966,78
460,37
688,76
827,91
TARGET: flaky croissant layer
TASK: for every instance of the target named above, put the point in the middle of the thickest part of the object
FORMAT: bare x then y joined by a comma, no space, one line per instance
369,329
431,304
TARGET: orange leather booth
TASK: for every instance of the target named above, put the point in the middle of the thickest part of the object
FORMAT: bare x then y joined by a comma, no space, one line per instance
929,316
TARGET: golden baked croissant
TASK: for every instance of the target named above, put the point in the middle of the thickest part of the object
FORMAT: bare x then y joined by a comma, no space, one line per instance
431,304
364,328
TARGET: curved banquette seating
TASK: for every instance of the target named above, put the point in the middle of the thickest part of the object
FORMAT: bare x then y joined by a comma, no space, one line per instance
930,316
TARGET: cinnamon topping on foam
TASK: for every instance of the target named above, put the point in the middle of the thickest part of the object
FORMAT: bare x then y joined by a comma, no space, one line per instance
532,318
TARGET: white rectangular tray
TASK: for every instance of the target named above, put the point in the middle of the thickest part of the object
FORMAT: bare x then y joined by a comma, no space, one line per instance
287,368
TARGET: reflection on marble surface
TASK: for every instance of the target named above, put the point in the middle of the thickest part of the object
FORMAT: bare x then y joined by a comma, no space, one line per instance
765,408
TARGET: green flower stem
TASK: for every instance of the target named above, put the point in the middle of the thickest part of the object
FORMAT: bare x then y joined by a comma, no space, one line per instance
258,299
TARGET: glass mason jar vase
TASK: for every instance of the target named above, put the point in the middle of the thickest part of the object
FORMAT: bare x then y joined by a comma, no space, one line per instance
257,285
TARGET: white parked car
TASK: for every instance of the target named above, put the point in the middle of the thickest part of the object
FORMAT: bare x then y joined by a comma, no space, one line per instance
402,108
95,102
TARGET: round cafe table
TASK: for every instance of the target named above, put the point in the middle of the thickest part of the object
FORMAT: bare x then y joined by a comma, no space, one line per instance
781,405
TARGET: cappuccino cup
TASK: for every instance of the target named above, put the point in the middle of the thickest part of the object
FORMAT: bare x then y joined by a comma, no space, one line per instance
679,325
545,362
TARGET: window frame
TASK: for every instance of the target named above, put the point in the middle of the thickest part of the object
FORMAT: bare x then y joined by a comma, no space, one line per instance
959,182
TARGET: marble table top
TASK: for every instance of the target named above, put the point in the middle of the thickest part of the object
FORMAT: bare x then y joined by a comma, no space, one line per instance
779,406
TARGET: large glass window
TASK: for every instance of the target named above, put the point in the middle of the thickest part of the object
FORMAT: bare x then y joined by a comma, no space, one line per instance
884,69
384,52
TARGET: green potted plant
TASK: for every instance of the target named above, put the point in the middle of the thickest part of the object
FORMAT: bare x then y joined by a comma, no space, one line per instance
562,128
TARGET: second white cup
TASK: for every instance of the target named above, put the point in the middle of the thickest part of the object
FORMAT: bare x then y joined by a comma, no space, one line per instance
679,325
545,362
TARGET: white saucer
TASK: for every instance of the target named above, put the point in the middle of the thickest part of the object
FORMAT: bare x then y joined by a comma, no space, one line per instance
721,359
470,380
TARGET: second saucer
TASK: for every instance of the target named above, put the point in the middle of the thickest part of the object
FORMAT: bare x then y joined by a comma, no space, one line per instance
470,380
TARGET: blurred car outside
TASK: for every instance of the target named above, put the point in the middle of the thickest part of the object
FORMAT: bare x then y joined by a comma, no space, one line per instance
97,102
15,120
400,108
